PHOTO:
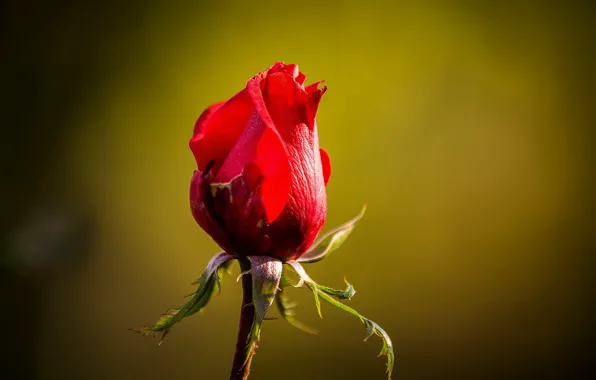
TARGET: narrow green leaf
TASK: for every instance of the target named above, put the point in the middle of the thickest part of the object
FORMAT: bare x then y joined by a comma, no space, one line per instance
371,328
328,294
287,312
208,283
199,300
331,241
315,291
221,271
341,306
215,263
286,281
305,278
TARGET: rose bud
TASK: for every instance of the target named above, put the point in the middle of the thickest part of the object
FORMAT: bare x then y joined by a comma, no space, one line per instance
259,191
259,187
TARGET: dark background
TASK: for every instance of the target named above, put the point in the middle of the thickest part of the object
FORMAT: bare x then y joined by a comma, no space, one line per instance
467,129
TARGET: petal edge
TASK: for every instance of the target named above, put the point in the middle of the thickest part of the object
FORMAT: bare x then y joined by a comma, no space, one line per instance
326,162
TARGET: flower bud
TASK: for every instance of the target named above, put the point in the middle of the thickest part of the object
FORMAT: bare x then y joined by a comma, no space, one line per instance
260,184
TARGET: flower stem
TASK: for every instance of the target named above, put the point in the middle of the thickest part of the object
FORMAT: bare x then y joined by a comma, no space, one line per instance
243,358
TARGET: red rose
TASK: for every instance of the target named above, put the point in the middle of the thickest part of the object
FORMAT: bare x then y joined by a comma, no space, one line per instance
260,184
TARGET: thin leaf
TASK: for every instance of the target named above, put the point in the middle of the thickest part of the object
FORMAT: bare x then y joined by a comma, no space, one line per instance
347,293
208,283
286,281
214,264
287,312
315,291
371,328
328,294
305,278
331,241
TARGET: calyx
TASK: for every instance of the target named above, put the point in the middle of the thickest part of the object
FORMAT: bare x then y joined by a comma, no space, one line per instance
270,279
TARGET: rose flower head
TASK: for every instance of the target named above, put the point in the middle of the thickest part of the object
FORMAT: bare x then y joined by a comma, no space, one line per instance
259,192
260,184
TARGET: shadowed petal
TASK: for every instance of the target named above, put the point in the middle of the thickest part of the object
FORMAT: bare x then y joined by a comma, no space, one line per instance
326,162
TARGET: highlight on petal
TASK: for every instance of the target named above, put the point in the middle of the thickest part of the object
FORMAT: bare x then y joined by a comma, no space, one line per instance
218,128
326,162
273,161
291,69
285,102
282,86
271,155
289,103
262,146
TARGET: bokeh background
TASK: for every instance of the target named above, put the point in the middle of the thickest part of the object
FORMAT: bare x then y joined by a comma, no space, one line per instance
467,129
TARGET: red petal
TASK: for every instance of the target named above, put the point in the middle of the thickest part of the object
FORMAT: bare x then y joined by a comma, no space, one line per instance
315,87
262,146
285,103
314,98
218,128
292,69
199,193
273,161
326,165
290,104
240,210
271,155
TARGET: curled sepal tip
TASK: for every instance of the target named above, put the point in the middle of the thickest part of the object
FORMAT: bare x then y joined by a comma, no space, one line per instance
331,296
345,294
208,283
331,240
266,274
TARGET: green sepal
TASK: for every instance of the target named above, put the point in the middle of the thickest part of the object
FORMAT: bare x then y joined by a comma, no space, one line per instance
285,281
371,328
286,308
331,241
208,283
328,294
220,263
345,294
315,291
266,275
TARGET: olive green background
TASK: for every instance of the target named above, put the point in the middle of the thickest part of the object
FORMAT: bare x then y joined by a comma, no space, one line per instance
466,129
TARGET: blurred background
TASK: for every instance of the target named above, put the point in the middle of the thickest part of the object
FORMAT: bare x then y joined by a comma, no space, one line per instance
467,129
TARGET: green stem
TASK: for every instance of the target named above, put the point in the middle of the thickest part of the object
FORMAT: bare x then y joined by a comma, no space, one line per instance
240,370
